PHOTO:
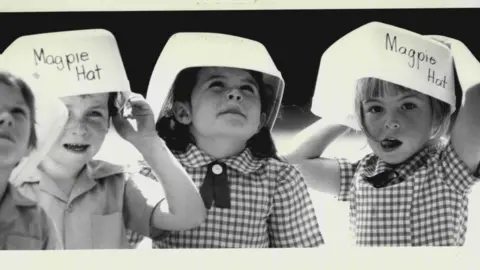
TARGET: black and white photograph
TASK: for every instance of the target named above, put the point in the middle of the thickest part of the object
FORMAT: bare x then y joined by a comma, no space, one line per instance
272,129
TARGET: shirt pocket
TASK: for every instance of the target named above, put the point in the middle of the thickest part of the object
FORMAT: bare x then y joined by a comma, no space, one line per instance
108,231
20,242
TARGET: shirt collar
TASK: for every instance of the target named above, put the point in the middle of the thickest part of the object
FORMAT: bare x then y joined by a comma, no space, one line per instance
12,195
375,165
244,162
95,170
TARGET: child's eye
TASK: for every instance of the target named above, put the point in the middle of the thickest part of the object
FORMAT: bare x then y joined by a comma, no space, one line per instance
95,114
248,88
19,111
374,109
409,106
216,84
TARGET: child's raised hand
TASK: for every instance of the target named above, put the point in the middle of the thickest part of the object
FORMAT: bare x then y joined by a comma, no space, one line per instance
135,108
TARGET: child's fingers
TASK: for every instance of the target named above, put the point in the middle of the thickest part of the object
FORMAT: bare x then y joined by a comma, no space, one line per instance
138,102
137,106
137,110
121,124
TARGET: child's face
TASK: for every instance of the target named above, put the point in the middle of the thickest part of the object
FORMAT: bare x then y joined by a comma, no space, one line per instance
15,118
85,130
400,124
225,102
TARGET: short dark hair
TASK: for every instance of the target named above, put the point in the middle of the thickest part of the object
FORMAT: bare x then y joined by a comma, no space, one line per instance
112,108
177,136
19,84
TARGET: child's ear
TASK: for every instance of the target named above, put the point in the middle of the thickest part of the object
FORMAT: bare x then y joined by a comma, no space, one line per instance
182,113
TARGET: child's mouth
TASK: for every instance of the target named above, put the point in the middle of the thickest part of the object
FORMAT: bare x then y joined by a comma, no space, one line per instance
76,148
389,145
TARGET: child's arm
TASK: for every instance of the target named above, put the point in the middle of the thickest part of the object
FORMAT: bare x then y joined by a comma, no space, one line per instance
186,208
185,205
465,134
292,222
313,140
322,174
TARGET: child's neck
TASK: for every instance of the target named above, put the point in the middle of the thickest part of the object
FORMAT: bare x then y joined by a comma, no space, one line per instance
4,178
63,176
220,147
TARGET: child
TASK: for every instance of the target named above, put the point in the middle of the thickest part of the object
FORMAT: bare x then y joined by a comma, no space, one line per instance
216,119
91,201
413,189
24,225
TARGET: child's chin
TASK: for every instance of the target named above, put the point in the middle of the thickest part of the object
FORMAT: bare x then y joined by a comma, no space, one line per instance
394,159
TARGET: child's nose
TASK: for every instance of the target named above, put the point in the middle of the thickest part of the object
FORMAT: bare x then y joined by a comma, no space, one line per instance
6,119
78,128
392,123
234,94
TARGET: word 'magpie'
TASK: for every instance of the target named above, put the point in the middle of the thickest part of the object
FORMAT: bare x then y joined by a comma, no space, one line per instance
67,62
416,57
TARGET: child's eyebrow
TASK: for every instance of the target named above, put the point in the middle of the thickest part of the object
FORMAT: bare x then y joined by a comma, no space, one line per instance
251,81
216,77
69,106
371,100
98,107
20,104
416,96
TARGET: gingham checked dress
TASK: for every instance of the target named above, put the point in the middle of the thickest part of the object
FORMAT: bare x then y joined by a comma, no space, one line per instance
426,204
270,206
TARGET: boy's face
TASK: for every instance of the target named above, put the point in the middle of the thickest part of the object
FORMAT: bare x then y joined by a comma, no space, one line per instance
225,102
15,118
400,124
85,131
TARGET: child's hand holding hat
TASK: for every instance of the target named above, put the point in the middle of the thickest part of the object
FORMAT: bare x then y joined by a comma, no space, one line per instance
133,106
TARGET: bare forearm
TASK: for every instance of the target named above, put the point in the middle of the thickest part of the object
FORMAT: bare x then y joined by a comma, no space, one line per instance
312,141
321,174
466,129
182,195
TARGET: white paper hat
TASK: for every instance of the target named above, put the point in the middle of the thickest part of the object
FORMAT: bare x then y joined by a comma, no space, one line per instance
72,63
384,52
69,62
186,50
51,117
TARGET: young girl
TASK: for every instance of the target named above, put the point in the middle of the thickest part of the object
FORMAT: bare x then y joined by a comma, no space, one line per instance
216,120
413,189
23,224
91,201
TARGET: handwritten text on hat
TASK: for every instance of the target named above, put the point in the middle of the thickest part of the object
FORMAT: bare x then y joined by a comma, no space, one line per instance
416,57
77,62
